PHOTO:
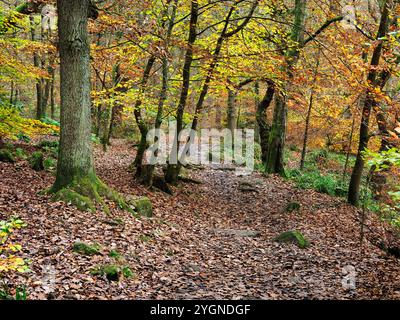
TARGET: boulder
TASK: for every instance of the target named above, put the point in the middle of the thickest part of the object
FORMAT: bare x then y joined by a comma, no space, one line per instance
142,206
293,206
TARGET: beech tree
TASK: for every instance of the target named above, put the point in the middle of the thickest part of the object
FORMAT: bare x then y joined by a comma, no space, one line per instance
374,81
76,180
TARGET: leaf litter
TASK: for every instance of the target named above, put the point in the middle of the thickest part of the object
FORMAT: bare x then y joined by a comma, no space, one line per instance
178,255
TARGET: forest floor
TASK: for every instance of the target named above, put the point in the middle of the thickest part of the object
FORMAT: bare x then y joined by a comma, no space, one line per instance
186,250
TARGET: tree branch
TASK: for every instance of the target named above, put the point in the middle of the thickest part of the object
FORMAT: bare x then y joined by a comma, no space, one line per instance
322,28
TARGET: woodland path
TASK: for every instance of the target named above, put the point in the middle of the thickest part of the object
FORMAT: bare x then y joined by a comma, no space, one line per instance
178,255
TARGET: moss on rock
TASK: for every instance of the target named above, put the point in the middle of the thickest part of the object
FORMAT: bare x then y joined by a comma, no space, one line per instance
86,249
293,206
112,272
295,237
144,207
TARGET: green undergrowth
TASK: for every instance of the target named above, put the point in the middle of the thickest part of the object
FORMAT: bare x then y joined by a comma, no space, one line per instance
330,184
323,172
6,156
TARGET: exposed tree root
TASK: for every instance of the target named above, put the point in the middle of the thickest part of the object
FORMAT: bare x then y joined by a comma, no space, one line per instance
161,184
87,192
190,180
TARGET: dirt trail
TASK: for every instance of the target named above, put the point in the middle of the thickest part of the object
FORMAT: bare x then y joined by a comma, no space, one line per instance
178,254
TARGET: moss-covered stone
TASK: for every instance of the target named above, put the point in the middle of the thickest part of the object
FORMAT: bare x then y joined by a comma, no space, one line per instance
113,272
6,156
127,272
86,249
293,206
295,237
115,254
143,207
36,160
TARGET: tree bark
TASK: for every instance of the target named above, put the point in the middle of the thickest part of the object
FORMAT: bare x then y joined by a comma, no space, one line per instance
173,169
147,175
261,118
76,180
369,104
75,158
308,117
231,113
36,63
277,135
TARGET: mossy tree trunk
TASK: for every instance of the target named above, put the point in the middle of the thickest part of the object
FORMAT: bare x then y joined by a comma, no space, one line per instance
309,110
262,123
75,158
142,125
231,112
369,104
277,136
76,180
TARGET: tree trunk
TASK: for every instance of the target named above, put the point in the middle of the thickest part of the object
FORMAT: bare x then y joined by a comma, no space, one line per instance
173,169
277,136
143,128
52,97
275,161
370,102
147,176
76,180
12,93
256,103
308,117
261,117
231,114
346,163
36,63
75,159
